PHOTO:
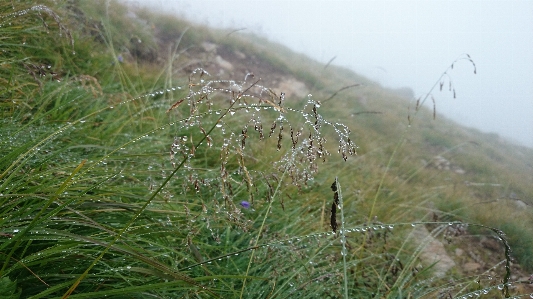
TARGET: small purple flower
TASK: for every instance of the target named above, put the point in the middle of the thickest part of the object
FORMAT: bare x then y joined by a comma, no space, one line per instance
245,204
120,58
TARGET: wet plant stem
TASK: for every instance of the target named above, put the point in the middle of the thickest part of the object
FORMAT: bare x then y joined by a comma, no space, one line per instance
404,133
343,239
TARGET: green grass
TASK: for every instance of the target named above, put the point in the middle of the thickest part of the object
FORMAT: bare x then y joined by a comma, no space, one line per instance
107,192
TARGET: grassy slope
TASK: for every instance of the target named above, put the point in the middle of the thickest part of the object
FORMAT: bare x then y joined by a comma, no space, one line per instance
86,161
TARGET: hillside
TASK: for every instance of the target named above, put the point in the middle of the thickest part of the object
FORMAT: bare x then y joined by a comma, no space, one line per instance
144,156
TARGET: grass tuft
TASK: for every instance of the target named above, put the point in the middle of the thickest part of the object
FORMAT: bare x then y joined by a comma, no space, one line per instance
145,169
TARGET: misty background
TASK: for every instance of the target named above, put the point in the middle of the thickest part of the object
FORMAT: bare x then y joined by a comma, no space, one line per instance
403,43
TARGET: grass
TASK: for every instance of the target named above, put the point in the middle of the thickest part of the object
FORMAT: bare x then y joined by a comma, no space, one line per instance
145,176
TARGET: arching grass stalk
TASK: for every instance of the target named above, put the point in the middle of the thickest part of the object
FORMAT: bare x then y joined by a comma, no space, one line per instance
419,104
141,210
405,276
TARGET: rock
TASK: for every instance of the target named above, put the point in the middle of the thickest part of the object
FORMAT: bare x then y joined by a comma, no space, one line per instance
441,163
209,47
224,63
459,170
471,267
492,244
240,54
292,88
520,204
459,252
432,252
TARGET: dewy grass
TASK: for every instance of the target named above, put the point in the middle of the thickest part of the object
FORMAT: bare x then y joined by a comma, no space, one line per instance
207,187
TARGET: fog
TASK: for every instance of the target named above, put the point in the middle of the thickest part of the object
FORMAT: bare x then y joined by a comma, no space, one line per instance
401,43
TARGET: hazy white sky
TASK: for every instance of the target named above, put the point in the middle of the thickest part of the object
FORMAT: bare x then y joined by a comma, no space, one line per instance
404,43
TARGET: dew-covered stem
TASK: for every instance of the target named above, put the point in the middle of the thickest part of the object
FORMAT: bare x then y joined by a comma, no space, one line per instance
342,234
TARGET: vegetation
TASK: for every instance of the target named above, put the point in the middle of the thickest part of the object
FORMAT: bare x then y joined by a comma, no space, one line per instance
133,166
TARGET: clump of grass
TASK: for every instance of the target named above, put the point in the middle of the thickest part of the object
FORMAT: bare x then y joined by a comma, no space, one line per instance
211,188
67,224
